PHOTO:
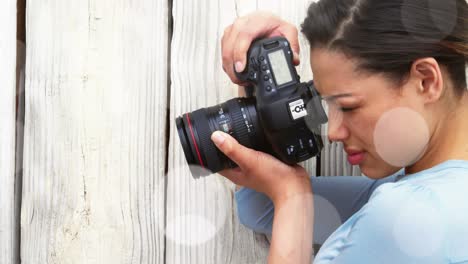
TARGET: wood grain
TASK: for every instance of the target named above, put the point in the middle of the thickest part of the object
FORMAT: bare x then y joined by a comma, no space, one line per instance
8,216
94,158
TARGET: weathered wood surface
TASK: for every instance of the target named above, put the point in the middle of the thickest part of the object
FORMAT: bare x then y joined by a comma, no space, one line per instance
94,157
8,222
94,187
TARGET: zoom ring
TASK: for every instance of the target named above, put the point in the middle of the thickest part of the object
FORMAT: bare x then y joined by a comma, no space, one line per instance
240,129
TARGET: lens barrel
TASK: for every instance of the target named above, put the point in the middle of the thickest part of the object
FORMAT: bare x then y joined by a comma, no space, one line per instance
237,117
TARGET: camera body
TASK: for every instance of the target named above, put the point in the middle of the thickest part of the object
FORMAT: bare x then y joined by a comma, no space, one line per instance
282,119
289,111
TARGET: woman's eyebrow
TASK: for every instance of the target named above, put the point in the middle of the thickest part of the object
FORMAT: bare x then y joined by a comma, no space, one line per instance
336,96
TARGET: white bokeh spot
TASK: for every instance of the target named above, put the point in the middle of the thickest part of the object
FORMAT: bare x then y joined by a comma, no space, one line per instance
178,231
197,209
401,136
326,219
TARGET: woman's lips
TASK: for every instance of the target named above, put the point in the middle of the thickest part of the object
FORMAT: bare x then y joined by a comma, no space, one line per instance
356,158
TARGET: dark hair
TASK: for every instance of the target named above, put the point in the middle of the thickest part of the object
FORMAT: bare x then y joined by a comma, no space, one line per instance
388,36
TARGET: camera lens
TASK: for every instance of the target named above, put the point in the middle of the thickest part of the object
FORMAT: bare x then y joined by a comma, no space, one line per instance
237,117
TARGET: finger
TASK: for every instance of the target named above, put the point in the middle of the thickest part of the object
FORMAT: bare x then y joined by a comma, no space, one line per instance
227,46
244,31
243,42
250,27
291,33
230,62
244,157
226,33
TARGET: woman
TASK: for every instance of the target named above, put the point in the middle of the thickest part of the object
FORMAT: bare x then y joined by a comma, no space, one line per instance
393,75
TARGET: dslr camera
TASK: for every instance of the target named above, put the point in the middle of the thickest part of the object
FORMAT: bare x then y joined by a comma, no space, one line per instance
280,115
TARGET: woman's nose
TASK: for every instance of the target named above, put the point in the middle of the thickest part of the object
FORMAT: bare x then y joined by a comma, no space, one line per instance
337,131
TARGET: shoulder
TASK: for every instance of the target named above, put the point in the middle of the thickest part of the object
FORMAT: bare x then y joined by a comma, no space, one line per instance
425,216
416,219
401,223
408,220
395,198
434,186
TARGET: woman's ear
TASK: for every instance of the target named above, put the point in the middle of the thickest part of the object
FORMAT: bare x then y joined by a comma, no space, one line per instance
427,74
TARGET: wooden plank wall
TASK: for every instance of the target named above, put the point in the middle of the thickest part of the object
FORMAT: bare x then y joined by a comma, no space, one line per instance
105,80
94,157
8,222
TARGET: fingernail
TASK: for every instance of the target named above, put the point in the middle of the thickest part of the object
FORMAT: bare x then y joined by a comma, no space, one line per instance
218,138
239,66
296,56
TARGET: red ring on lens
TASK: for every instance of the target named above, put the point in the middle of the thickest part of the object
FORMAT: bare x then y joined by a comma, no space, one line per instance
194,141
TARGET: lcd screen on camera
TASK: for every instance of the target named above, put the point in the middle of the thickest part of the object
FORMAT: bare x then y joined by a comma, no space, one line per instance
280,67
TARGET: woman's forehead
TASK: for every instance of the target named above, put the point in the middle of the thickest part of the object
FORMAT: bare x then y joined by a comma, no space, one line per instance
337,76
333,72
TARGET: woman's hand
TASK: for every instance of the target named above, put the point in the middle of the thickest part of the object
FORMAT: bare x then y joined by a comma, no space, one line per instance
289,189
238,37
262,172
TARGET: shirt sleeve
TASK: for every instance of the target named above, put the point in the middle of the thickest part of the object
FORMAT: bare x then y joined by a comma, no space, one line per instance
400,224
336,198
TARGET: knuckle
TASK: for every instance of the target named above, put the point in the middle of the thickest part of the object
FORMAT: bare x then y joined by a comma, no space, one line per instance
245,35
228,149
240,22
234,79
260,157
226,55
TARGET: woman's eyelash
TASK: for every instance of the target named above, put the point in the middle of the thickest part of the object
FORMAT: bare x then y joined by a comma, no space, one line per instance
346,109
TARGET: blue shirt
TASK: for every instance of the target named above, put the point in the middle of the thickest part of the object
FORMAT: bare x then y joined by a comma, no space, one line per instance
417,218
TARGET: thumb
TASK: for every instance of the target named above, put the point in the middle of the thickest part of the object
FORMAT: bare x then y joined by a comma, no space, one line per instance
242,156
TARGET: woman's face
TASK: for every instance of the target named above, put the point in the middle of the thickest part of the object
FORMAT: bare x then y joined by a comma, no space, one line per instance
381,125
